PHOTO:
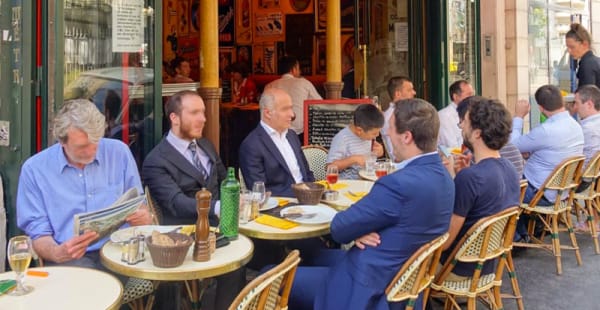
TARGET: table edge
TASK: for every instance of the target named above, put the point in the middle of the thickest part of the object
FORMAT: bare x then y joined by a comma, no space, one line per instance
174,275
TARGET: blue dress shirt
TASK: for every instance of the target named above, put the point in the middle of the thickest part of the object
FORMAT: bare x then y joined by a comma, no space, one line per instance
558,138
51,191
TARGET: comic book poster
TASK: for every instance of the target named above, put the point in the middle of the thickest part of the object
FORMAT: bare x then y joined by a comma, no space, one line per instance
181,36
243,22
269,27
244,55
226,23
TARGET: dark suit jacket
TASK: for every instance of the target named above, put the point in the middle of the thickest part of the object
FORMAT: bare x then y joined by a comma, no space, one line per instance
407,209
173,182
260,160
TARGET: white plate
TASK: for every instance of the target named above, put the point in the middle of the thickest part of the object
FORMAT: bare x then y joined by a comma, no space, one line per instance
271,203
324,214
125,234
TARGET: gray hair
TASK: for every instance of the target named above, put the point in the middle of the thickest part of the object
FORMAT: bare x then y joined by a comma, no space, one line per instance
267,101
81,114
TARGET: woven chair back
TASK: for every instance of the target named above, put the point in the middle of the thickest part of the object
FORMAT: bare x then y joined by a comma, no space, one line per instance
489,238
417,272
565,177
153,207
316,156
271,289
591,174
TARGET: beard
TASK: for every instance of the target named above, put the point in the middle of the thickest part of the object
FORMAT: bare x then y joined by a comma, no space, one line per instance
468,144
188,132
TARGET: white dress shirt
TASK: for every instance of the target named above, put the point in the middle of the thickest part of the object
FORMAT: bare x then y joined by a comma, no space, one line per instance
299,89
182,145
450,134
285,148
387,141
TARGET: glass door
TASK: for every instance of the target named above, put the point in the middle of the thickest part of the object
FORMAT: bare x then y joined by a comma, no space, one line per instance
104,52
462,57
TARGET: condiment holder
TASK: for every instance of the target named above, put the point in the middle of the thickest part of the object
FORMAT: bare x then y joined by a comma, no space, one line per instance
133,250
331,195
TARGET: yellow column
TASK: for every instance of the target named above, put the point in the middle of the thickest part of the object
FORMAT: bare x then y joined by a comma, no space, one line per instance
209,68
209,43
334,84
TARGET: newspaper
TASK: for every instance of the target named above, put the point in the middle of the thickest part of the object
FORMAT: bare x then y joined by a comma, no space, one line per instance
108,220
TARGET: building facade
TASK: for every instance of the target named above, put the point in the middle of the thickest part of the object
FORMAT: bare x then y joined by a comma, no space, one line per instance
117,53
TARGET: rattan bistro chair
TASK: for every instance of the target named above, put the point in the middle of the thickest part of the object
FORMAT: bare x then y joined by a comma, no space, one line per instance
488,239
564,178
510,266
316,156
590,196
271,289
416,274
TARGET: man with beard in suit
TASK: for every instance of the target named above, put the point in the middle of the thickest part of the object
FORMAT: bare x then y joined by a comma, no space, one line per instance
180,165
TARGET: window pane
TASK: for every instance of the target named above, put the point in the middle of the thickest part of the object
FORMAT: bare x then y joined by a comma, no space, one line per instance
462,40
108,60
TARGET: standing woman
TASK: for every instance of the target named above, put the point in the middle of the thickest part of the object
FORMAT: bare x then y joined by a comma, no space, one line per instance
578,42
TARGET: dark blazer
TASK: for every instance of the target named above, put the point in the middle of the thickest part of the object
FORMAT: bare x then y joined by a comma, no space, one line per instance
407,208
173,182
260,160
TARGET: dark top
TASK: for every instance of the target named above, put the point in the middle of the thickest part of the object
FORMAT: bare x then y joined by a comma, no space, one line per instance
588,70
349,90
260,160
173,182
482,190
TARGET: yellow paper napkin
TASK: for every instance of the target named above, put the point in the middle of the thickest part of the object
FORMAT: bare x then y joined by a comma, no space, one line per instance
335,187
356,197
282,202
275,222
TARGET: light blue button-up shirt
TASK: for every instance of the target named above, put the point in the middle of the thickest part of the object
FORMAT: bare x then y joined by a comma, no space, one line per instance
591,136
558,138
51,191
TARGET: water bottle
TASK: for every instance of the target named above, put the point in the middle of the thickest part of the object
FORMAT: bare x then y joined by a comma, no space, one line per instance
230,203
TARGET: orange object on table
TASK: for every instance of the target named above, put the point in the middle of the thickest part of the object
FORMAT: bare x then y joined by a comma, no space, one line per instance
37,273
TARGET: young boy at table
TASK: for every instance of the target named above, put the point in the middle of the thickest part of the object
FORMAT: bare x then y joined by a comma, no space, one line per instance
353,145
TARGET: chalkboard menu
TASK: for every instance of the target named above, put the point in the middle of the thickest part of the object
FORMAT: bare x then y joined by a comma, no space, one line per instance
323,119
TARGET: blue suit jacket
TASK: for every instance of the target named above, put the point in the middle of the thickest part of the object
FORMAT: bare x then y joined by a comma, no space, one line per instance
260,160
407,209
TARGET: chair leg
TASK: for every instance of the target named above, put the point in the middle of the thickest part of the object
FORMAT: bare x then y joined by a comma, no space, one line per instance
592,224
569,222
556,243
510,267
471,303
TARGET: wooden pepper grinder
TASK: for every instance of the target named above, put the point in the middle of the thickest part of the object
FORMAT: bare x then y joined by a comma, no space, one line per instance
201,246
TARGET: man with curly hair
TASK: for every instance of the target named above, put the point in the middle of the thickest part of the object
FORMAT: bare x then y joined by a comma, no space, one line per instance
491,184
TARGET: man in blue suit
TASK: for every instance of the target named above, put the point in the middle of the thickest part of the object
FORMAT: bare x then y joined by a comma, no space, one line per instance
403,211
271,152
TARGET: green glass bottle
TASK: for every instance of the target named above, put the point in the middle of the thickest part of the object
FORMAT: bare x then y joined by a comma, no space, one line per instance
230,204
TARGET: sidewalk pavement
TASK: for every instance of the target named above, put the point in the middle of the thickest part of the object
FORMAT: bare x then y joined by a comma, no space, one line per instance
543,288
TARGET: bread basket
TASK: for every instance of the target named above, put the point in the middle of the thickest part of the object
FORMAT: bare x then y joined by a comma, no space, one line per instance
169,256
308,193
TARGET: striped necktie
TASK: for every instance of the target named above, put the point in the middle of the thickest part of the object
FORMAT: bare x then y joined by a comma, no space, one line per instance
196,160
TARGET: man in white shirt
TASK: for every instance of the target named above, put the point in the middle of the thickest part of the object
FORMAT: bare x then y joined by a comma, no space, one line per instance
450,135
271,152
399,87
298,88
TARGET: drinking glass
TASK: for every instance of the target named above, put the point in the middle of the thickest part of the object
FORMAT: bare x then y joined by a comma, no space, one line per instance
258,198
19,257
370,162
381,169
332,175
245,205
